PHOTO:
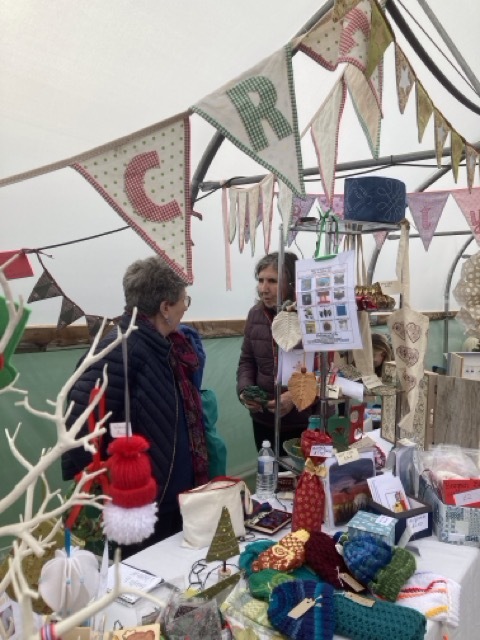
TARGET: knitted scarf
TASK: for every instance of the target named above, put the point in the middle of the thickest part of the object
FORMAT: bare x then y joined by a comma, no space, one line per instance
184,361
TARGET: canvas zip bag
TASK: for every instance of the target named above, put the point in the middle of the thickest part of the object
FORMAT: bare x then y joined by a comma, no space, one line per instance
201,509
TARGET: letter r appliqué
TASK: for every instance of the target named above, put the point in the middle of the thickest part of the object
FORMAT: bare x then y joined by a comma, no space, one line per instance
252,114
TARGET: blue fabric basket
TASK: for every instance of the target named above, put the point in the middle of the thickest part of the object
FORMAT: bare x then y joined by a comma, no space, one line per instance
375,199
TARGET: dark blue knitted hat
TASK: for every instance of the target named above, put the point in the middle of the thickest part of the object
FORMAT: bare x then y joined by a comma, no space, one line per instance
365,555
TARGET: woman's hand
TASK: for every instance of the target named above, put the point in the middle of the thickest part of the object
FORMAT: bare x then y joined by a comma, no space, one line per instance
286,404
251,405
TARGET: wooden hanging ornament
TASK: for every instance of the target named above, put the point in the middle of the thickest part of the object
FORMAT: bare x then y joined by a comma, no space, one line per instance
303,388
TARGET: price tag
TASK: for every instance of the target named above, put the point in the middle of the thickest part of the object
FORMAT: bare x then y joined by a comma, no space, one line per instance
333,391
467,497
322,450
119,429
386,520
365,602
418,523
391,287
301,608
347,456
350,580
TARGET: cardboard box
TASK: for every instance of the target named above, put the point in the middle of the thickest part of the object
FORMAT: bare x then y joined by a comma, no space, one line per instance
464,364
420,514
455,525
450,489
381,527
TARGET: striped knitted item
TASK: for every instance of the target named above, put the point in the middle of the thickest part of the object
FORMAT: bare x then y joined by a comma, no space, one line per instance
317,623
389,580
365,555
383,621
438,598
322,556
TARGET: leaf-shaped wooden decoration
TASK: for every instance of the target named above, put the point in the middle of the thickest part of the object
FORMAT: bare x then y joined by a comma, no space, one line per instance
286,330
303,388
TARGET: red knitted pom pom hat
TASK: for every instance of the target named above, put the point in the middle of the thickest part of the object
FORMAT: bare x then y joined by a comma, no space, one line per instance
131,515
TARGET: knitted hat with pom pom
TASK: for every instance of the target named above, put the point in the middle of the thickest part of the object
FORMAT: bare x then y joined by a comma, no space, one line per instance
131,515
365,555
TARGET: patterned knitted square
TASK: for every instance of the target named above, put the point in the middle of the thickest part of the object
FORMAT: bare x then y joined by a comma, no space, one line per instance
389,580
322,556
251,553
317,623
288,554
365,555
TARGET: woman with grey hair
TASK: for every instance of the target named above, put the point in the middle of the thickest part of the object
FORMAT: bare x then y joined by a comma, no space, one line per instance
163,368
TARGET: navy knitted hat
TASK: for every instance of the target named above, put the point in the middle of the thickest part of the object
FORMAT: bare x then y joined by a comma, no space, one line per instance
317,623
322,556
365,555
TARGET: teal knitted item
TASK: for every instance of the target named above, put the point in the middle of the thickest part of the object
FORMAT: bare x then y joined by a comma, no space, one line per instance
365,555
389,580
317,623
383,621
251,553
262,583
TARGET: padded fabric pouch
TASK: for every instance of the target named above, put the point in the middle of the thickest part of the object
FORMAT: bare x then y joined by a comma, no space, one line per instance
201,509
375,199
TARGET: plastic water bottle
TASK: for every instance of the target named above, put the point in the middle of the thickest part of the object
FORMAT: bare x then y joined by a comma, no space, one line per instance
266,472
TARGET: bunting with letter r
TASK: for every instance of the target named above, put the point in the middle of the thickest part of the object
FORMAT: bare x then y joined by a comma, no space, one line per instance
145,178
257,112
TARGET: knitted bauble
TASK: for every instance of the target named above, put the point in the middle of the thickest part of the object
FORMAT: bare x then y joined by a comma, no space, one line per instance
383,621
437,597
389,580
288,554
317,623
322,556
131,515
262,583
365,555
251,553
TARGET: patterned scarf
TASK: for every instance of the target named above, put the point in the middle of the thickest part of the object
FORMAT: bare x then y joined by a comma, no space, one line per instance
184,361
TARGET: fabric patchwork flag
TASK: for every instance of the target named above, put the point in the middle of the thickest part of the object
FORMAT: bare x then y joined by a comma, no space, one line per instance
336,204
381,36
68,313
300,209
46,287
232,196
242,213
258,113
424,109
469,203
405,78
342,7
266,190
441,132
457,145
322,42
145,178
253,195
426,209
285,207
366,107
471,159
20,267
324,129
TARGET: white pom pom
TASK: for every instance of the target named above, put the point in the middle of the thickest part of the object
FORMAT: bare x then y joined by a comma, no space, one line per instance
129,526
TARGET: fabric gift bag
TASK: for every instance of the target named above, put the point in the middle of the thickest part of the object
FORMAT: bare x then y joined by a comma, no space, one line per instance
409,331
309,501
201,509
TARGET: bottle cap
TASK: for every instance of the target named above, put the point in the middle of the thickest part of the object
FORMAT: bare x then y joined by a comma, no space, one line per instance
266,444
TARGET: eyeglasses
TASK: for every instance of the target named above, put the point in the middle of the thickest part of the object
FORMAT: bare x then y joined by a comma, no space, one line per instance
187,301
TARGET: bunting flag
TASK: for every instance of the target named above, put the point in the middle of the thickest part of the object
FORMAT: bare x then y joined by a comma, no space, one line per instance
253,196
285,208
18,268
342,7
266,190
381,36
405,78
226,236
366,107
68,313
233,214
46,287
424,109
242,109
145,179
441,132
471,158
469,203
94,324
457,145
336,204
242,214
324,129
380,237
426,209
300,209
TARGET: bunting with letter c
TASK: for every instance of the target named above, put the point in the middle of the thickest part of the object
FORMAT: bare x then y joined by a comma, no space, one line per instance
145,179
257,112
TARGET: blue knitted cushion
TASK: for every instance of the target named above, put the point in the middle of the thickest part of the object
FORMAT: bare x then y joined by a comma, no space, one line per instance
365,555
375,199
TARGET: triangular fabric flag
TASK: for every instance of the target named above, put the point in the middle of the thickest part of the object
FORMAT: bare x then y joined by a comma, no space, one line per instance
266,190
18,268
226,237
457,145
146,179
380,237
426,209
253,203
441,132
301,207
224,544
322,42
93,325
8,343
342,7
285,207
233,213
242,214
471,159
405,78
469,203
324,129
46,287
424,109
355,35
258,113
336,204
68,313
366,107
381,37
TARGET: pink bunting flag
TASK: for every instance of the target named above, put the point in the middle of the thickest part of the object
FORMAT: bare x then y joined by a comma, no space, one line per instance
426,209
266,190
336,204
300,209
469,203
380,237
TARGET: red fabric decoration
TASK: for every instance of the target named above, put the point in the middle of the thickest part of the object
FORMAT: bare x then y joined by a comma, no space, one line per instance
131,482
310,438
309,500
19,268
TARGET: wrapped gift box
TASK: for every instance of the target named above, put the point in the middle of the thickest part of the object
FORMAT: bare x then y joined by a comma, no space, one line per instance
381,527
419,518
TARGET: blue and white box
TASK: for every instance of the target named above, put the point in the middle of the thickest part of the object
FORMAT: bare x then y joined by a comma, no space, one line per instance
380,527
